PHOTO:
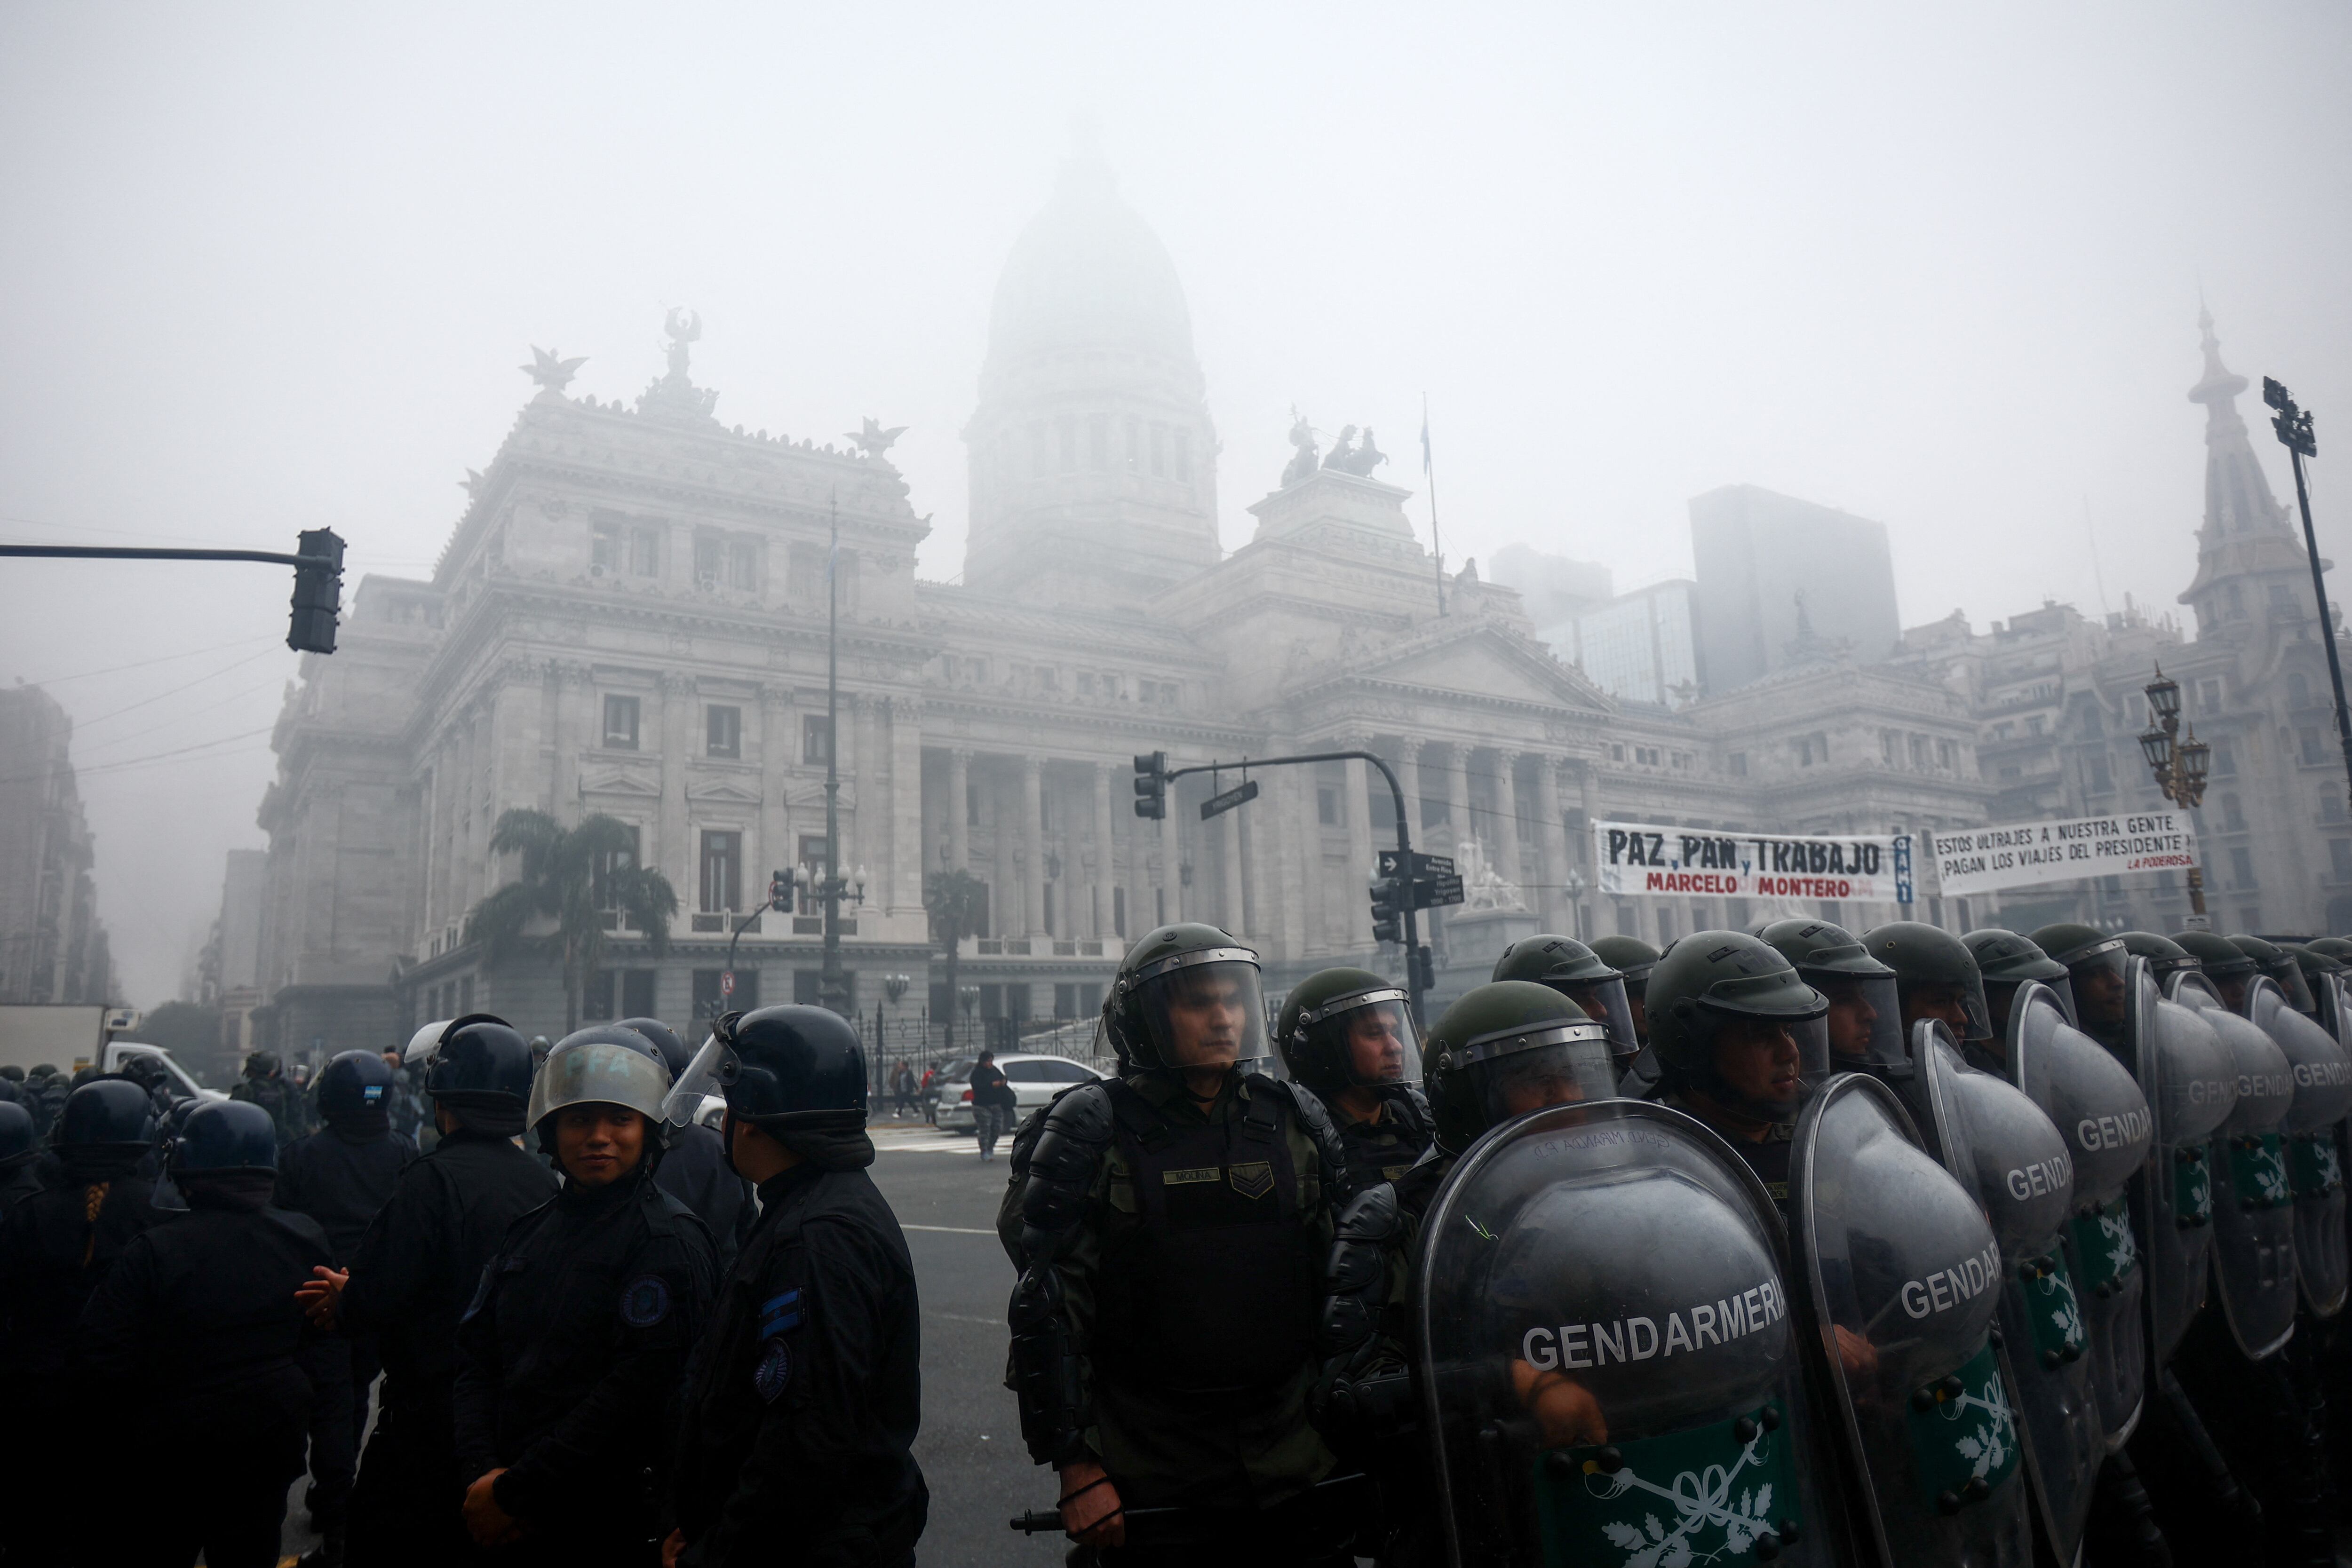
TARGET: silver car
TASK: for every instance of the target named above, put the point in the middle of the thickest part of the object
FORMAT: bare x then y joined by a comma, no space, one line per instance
1036,1080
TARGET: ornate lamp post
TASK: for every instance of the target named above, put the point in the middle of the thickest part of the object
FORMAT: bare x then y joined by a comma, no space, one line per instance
2180,767
1574,887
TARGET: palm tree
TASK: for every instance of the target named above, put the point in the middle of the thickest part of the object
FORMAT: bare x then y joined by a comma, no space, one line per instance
572,876
957,902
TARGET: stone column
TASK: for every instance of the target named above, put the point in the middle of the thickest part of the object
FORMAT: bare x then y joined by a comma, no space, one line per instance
1410,749
1507,821
866,834
1551,844
673,852
1172,880
1236,904
959,809
1588,797
575,721
905,718
779,749
1105,866
1305,816
1033,841
1457,793
1358,875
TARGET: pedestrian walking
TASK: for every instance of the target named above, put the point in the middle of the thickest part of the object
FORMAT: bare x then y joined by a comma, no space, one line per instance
992,1103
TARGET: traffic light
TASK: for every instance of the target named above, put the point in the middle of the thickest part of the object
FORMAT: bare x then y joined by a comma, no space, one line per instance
1388,910
780,891
1424,969
1151,785
318,593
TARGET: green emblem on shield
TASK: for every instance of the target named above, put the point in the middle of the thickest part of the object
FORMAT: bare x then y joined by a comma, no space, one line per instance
1963,1433
2192,1185
2316,1168
2052,1308
2258,1171
1708,1494
2103,1239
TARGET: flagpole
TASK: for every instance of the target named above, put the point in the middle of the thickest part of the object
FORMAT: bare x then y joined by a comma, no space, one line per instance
1429,471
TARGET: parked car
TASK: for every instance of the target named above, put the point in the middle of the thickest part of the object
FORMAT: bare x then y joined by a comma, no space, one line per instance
1035,1079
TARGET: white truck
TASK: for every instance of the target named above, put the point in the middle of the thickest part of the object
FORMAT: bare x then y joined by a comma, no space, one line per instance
72,1038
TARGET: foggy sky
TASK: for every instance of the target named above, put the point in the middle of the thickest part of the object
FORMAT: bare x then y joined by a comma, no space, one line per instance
265,268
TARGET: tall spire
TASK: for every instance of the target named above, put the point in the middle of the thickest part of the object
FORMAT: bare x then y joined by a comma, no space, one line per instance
2238,500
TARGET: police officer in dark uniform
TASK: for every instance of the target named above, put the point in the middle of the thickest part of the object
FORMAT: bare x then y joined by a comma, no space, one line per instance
264,1084
805,1395
1170,1225
45,1096
2006,961
55,1248
20,1153
2096,964
693,1167
572,1351
341,1175
415,1271
1348,1035
1937,977
1864,1027
1632,958
196,1333
1580,974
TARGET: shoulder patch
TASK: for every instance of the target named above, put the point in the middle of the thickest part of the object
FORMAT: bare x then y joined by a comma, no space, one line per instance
773,1371
644,1300
780,1314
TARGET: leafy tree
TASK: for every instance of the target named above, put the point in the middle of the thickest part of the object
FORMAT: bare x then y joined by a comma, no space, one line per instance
564,871
957,902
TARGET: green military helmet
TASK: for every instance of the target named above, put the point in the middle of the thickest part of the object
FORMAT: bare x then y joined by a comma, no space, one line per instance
1937,976
2221,958
2005,955
2164,956
2337,947
1629,955
2098,968
1346,1029
1704,990
2313,963
2279,965
1580,974
1186,996
1507,1047
1864,1027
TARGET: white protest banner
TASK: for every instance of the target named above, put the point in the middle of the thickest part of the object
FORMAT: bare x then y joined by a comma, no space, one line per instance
1638,857
2019,854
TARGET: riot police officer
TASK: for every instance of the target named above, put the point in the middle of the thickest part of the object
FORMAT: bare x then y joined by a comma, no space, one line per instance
1632,958
55,1248
1168,1225
264,1084
2005,962
1863,1025
577,1338
45,1096
1936,976
416,1270
804,1396
1578,973
20,1176
341,1176
2227,966
1740,1036
1348,1035
2275,961
2164,956
693,1167
196,1331
2097,963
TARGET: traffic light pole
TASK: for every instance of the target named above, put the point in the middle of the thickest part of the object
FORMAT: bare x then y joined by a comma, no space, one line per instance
315,569
2294,427
1410,923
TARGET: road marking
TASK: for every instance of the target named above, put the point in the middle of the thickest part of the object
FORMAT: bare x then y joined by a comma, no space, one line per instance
949,1230
962,1318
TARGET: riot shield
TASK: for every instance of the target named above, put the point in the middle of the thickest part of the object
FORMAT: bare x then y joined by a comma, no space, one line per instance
1612,1374
1999,1145
1901,1279
2322,1095
2254,1197
2190,1080
2091,1099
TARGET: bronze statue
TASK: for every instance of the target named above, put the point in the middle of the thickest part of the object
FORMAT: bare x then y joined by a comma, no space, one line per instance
1302,463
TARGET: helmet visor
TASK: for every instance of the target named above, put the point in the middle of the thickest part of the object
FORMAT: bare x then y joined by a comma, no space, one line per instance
2289,976
1547,1064
708,1072
2097,976
1209,1014
599,1074
1604,1003
1371,1037
1864,1027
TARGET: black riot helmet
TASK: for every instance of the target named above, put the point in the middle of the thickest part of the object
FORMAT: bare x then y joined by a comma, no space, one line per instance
674,1054
2279,964
1632,958
355,1093
1937,976
1719,988
1348,1028
18,1144
482,1063
1509,1047
2005,961
1863,1026
784,1069
2164,956
261,1064
1580,974
1186,996
225,1137
2227,966
2318,967
106,1113
2096,962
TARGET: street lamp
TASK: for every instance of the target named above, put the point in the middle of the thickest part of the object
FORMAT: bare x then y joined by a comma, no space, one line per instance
2179,766
2293,426
1574,887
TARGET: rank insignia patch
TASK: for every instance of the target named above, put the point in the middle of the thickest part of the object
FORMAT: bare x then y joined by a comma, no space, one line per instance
1252,1178
775,1370
780,1314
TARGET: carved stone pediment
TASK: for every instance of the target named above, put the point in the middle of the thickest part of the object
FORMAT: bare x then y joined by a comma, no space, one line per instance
620,781
722,789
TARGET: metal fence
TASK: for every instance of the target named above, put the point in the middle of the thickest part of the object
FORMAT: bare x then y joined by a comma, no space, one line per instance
923,1044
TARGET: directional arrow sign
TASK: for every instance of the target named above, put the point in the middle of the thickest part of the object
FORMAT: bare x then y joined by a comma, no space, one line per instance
1217,805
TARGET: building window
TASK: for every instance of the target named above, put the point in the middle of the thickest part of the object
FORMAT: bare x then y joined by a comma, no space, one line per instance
1098,440
2298,689
2225,760
1948,756
2102,777
1134,445
1159,451
709,561
1740,765
2241,867
2313,751
600,875
607,545
1813,750
1617,754
621,723
1067,426
2209,696
2339,856
2035,724
1647,754
2233,815
723,731
1918,753
1665,927
812,855
645,552
1326,805
723,870
1184,456
1887,748
816,739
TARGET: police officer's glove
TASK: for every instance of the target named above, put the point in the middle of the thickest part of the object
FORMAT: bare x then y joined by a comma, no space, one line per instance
1362,1401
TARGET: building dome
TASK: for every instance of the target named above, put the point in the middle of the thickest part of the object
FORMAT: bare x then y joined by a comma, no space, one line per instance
1088,273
